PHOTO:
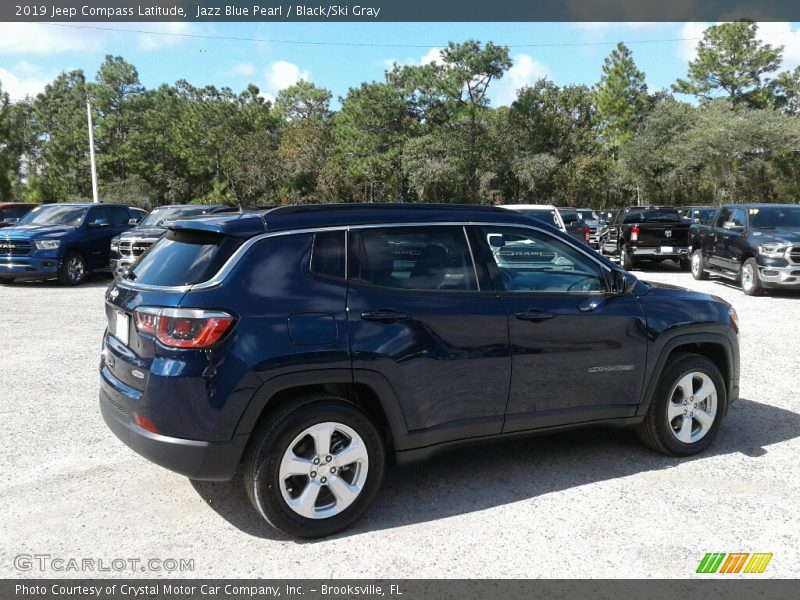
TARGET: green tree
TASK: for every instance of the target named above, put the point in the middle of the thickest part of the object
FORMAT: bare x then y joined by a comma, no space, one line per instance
113,94
620,98
450,97
369,135
731,62
303,101
61,157
787,91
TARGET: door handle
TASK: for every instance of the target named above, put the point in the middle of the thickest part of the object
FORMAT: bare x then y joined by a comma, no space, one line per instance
533,314
384,315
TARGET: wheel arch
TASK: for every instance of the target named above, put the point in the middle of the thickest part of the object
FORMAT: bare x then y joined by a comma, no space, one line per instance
366,391
716,347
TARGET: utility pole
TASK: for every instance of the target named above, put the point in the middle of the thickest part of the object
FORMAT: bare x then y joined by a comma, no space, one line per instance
95,199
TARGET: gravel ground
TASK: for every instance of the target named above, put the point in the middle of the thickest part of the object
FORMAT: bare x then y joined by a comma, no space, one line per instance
589,504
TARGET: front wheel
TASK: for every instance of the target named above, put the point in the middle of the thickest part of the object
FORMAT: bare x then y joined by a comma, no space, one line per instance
750,281
73,270
315,466
699,265
686,410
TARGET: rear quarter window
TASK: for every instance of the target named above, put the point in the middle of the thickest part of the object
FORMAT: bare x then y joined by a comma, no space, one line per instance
184,258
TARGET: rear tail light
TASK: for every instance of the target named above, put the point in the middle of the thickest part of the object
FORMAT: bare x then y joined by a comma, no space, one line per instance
183,327
144,423
635,233
586,232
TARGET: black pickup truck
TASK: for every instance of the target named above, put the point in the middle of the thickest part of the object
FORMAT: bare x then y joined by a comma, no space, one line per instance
654,234
757,245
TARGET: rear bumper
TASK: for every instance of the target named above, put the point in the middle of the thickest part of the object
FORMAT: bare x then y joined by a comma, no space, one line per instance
28,267
194,459
655,252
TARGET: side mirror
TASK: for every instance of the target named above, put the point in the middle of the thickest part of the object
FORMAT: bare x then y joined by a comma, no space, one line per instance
621,282
99,223
496,241
732,226
11,220
133,221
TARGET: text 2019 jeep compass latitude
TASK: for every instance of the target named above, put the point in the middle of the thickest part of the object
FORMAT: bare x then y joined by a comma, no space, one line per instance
315,344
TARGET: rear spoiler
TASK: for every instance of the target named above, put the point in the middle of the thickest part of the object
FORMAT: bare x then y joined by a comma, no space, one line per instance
239,225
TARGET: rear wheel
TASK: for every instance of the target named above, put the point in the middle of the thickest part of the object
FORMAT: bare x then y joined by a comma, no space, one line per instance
750,281
686,410
625,259
73,270
699,265
314,466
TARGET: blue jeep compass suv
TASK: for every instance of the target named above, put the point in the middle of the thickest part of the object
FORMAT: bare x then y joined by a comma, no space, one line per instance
315,344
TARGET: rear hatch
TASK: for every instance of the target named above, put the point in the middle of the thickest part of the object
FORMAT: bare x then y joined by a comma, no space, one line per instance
160,280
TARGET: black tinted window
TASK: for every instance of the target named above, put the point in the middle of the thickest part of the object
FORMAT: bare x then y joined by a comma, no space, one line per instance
119,215
652,215
327,256
724,216
415,258
184,258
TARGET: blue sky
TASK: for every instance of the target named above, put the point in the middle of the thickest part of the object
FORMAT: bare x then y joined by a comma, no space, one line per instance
32,54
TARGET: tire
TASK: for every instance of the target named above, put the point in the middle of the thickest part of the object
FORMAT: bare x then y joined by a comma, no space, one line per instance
698,265
277,442
749,279
625,259
685,264
6,280
674,428
73,270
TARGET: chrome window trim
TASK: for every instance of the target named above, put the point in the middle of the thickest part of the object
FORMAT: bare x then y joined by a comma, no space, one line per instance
472,258
234,259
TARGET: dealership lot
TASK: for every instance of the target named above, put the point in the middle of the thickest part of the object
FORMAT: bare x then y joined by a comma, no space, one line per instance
593,503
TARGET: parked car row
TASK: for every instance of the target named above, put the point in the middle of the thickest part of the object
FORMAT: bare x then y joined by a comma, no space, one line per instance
755,245
67,242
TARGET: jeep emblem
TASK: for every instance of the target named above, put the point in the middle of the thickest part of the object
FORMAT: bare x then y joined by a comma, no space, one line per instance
668,233
113,293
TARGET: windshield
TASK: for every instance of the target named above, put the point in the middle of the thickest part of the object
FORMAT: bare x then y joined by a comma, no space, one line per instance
587,215
68,216
543,215
159,215
652,215
774,217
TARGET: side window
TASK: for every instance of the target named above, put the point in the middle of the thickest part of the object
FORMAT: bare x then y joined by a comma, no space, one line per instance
738,217
327,254
414,258
531,261
97,213
7,213
119,215
724,217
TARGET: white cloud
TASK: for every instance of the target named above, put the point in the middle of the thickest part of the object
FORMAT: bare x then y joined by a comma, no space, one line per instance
690,35
39,38
526,70
243,70
282,74
781,34
25,80
432,56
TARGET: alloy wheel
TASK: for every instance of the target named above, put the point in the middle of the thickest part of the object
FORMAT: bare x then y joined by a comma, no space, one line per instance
692,407
76,270
323,470
747,276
